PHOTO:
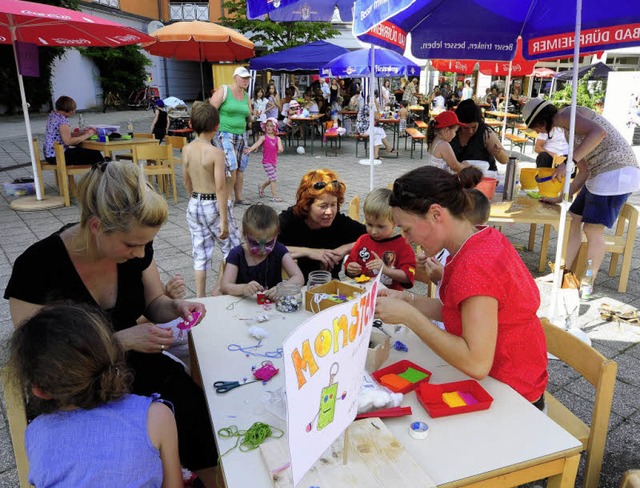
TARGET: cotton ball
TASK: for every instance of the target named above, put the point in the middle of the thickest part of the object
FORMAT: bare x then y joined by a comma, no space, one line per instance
300,150
258,332
365,401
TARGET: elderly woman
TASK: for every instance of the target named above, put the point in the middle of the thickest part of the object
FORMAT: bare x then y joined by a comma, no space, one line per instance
59,130
234,106
488,299
476,140
608,172
106,260
313,230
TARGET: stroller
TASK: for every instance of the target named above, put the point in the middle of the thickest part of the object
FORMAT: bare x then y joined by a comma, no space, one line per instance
144,98
178,117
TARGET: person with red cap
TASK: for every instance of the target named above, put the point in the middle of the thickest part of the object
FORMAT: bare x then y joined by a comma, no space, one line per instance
440,133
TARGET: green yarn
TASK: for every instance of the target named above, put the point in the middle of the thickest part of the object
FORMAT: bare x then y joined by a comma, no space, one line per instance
250,439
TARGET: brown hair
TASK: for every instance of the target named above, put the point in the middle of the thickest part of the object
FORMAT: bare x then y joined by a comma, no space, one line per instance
479,213
260,217
70,354
204,117
66,104
307,194
376,205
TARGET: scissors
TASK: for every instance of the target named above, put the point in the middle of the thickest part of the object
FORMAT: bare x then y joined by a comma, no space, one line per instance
377,323
225,386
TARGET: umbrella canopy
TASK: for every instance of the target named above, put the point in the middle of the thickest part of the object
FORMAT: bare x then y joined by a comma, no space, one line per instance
599,71
300,10
200,41
310,57
516,67
46,25
462,66
543,73
356,64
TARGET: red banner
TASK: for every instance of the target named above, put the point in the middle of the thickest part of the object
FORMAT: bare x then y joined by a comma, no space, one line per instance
462,66
390,33
588,39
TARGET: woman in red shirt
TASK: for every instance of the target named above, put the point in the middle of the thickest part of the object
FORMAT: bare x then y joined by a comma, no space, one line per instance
488,299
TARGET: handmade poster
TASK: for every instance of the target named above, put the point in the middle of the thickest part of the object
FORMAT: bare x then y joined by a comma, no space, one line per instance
323,363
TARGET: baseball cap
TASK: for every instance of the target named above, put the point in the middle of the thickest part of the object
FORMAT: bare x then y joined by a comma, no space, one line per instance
242,72
159,103
532,108
447,119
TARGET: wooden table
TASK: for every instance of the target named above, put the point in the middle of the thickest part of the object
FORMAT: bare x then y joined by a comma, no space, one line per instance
527,210
311,121
395,127
510,443
114,145
501,115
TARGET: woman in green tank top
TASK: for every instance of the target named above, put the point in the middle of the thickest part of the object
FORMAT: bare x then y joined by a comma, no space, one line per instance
233,104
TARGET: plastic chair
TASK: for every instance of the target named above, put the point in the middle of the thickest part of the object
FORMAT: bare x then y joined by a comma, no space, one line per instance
601,373
617,244
17,418
159,163
66,174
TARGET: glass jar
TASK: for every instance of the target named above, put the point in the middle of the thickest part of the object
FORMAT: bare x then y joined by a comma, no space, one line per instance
288,297
318,278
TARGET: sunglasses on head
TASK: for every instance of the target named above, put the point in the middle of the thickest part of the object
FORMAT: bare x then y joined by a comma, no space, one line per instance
262,246
319,185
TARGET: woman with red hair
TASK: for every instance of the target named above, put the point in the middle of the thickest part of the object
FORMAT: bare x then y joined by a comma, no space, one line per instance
314,230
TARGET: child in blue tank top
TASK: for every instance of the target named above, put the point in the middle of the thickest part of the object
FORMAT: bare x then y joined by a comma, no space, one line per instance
90,431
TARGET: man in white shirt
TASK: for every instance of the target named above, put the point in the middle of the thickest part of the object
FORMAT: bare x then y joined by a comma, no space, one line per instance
326,89
550,145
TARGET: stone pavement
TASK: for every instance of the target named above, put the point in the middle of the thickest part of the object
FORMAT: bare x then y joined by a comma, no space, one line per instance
173,255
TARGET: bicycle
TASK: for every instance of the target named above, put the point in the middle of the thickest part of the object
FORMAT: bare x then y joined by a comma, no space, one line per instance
112,100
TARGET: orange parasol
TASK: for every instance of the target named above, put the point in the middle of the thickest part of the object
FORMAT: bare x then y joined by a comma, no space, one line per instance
200,41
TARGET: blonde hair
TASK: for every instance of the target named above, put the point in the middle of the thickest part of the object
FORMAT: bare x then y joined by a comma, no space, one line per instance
119,196
376,205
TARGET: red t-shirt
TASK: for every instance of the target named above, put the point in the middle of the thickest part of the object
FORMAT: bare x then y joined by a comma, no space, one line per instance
488,265
394,251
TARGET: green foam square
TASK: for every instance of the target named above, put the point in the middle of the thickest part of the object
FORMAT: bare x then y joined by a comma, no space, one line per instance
413,375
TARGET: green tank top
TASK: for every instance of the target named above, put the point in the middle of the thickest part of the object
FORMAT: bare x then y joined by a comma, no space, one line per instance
234,113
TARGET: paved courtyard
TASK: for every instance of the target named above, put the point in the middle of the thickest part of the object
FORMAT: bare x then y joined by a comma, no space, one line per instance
173,255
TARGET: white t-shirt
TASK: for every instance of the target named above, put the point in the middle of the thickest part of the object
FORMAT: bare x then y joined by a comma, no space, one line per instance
260,105
557,144
438,102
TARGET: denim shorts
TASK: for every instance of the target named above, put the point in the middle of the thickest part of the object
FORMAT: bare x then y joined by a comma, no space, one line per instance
598,209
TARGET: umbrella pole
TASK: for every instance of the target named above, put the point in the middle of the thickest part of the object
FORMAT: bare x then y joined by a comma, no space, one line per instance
204,96
506,104
564,205
372,115
29,203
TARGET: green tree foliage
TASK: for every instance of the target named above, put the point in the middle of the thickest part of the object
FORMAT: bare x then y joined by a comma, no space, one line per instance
276,36
122,69
586,97
37,90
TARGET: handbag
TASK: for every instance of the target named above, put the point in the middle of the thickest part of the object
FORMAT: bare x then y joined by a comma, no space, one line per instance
570,280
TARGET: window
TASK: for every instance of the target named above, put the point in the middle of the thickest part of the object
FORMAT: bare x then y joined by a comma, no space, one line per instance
189,11
109,3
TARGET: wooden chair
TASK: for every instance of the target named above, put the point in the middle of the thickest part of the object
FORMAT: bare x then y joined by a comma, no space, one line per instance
43,165
159,163
17,419
66,174
617,244
177,142
129,154
601,373
354,208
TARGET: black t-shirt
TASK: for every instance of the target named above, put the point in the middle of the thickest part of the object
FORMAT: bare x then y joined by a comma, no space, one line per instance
295,232
44,274
475,149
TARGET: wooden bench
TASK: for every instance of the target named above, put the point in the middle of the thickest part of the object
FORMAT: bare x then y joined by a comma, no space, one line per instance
517,141
420,124
361,138
496,124
417,137
331,139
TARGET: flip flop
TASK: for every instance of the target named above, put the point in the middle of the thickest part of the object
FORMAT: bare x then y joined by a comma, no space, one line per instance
242,202
260,191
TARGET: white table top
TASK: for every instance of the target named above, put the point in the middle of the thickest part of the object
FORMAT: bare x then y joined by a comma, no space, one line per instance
512,431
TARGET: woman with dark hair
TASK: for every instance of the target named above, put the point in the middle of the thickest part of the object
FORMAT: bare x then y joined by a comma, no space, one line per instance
608,172
488,299
476,140
314,230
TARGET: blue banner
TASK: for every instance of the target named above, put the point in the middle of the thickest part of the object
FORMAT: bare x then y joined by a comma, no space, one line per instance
369,13
258,8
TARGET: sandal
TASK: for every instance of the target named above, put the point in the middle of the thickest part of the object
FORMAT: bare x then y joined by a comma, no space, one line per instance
260,191
627,314
242,202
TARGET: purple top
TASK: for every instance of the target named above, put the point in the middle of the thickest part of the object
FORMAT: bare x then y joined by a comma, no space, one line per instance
270,150
52,134
272,112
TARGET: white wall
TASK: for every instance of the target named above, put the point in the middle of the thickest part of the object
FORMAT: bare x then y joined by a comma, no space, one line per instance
622,100
75,76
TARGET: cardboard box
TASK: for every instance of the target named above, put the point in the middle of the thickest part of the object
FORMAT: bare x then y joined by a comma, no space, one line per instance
334,287
378,351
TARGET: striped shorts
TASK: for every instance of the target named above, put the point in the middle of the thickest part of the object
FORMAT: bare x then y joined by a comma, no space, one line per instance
270,169
203,217
232,145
